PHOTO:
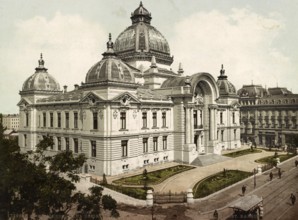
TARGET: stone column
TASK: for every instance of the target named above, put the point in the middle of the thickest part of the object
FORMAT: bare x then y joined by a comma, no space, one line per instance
187,127
189,196
191,126
149,198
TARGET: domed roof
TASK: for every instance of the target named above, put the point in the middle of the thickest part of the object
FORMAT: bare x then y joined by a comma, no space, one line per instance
41,80
224,85
252,91
110,68
141,41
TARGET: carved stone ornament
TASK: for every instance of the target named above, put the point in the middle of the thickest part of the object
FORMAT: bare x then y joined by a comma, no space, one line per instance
100,113
115,114
91,101
135,113
125,101
199,99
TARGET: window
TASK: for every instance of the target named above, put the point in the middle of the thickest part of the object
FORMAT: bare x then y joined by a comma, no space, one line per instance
59,120
221,119
123,120
195,118
76,145
124,148
144,117
201,117
95,122
27,119
44,119
235,137
67,144
155,147
164,119
51,120
222,135
154,118
93,148
233,117
52,145
75,120
25,140
59,143
66,120
145,145
164,142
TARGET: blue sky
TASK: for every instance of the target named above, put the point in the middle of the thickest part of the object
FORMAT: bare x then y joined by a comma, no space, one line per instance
255,40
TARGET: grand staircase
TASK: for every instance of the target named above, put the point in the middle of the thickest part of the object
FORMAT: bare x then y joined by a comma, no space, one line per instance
208,159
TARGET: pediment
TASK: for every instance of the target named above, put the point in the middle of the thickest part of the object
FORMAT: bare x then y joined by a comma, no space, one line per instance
24,102
91,98
125,99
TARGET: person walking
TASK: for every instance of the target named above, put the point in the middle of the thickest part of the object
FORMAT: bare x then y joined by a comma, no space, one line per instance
271,176
215,215
293,198
243,190
279,173
296,163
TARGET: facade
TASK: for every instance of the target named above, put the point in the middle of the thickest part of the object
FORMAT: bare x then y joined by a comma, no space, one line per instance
269,117
11,121
132,110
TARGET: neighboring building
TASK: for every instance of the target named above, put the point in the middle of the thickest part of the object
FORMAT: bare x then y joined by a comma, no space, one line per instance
132,110
10,134
269,117
11,121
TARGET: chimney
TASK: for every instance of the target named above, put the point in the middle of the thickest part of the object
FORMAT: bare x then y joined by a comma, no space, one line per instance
65,88
76,86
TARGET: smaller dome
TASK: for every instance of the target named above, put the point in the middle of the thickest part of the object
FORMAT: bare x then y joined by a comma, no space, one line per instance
110,68
141,14
41,80
224,85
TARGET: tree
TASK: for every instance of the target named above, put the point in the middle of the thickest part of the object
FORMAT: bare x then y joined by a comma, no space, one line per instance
34,184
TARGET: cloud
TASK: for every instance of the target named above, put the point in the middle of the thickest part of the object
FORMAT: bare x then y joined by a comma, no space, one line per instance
70,45
242,40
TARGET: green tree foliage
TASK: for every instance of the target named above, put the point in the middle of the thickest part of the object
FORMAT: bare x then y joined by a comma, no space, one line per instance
33,184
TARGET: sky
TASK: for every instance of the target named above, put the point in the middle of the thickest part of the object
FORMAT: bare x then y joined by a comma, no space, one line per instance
255,40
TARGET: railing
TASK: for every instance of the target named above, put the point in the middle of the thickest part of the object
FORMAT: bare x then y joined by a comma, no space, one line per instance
162,198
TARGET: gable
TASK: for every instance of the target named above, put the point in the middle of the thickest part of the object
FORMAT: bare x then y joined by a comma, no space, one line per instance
91,97
24,102
125,99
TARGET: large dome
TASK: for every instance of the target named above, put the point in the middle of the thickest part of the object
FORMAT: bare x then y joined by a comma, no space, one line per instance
110,69
141,41
226,88
41,80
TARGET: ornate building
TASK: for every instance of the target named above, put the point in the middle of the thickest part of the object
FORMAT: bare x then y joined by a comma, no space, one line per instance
132,110
269,117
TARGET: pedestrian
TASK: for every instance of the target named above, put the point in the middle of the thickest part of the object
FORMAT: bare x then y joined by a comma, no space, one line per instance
293,198
296,163
271,176
279,173
215,215
243,190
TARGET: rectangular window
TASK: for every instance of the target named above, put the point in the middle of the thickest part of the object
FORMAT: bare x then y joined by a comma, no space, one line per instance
44,119
164,119
66,120
164,142
52,145
201,117
59,143
145,145
222,135
93,148
154,118
123,120
155,145
144,118
59,120
25,140
233,117
221,119
67,144
27,119
95,121
195,118
76,145
75,120
235,134
124,148
51,120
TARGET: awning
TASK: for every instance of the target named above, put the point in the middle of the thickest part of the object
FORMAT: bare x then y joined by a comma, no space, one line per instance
246,203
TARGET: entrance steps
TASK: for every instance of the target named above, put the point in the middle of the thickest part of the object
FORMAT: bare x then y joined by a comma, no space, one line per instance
208,159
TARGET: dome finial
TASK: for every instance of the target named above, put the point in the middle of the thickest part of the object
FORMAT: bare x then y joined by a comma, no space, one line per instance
110,43
41,62
180,70
141,4
222,71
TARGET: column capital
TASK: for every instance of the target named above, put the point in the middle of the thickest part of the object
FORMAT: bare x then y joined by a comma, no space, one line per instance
212,106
